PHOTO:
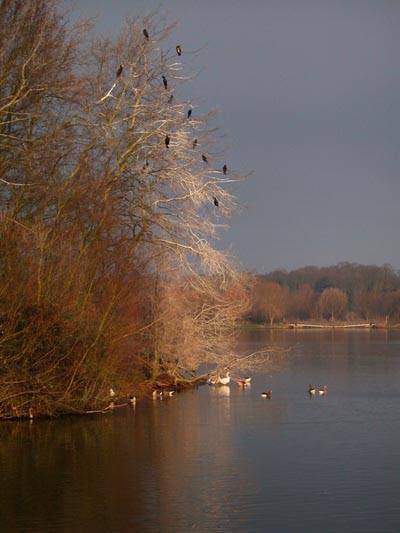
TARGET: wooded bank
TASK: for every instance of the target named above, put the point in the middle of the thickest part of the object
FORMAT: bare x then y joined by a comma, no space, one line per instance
111,200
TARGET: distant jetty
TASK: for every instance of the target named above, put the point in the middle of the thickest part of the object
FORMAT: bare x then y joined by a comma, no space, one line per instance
332,326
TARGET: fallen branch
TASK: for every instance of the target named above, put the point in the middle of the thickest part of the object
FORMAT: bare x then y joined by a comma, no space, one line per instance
110,407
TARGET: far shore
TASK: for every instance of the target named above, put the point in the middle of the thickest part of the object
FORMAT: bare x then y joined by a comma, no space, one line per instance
322,325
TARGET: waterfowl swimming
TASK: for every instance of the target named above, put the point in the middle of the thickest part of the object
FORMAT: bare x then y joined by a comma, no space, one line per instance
323,390
247,379
132,400
212,380
267,394
171,393
241,382
157,394
311,390
225,380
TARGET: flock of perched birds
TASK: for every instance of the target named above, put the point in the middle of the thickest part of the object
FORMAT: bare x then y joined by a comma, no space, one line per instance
167,139
245,382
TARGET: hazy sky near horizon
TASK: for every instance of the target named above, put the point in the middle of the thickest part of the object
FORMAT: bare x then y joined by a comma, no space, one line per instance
308,94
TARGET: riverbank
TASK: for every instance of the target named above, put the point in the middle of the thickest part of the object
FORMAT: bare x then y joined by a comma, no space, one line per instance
322,325
164,386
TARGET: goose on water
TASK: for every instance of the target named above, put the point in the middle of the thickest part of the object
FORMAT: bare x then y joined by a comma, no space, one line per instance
243,382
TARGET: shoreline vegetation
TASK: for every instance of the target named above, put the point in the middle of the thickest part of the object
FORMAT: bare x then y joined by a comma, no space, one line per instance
113,191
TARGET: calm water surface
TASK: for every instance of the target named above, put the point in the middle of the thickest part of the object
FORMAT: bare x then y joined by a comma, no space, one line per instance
223,459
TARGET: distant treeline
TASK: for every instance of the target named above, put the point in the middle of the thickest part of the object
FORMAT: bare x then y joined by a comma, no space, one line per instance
346,291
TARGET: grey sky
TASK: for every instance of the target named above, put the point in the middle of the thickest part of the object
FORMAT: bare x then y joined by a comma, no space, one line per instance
309,96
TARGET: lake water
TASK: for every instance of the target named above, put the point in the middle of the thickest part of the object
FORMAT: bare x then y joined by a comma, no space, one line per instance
221,459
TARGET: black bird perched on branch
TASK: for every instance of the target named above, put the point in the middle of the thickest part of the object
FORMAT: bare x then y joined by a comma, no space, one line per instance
146,34
164,79
204,158
145,167
195,143
178,50
119,71
224,169
167,140
216,203
170,99
189,113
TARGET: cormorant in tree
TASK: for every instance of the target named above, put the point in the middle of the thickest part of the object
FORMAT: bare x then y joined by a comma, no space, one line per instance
145,167
224,169
164,79
170,99
204,158
178,50
189,113
119,71
195,143
216,203
167,140
146,34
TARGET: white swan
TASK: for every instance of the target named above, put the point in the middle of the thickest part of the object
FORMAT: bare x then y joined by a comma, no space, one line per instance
225,380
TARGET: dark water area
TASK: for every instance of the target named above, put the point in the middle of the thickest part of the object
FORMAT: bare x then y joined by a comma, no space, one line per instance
222,459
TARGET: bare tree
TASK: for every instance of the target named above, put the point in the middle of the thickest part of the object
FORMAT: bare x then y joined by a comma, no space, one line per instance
104,194
391,303
272,300
302,302
367,303
333,302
